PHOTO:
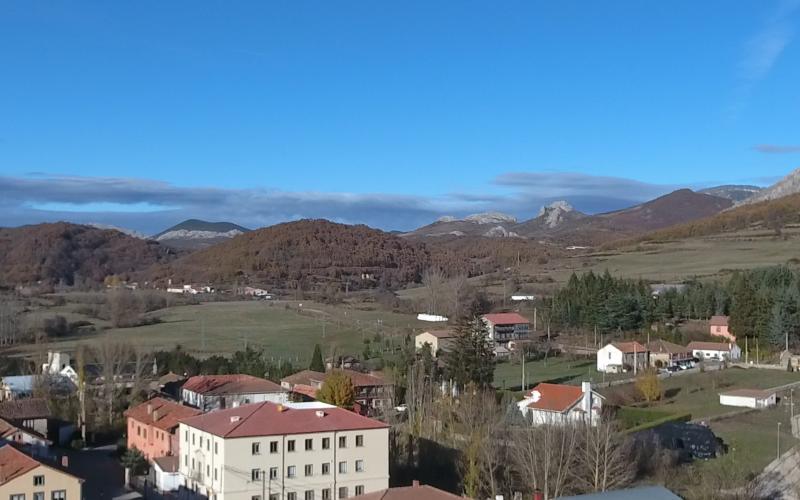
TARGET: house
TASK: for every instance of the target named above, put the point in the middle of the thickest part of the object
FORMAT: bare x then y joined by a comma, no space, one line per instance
414,492
439,340
36,443
217,392
373,393
637,493
305,451
718,327
169,385
664,354
559,404
23,477
30,416
500,351
790,361
715,350
152,426
166,472
619,357
256,292
748,398
56,362
506,326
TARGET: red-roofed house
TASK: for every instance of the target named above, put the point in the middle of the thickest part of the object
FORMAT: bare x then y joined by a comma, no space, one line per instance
619,357
504,327
218,392
718,327
152,426
560,404
297,451
372,392
22,477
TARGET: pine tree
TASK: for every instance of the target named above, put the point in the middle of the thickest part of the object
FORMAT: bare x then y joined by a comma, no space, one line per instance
743,308
471,359
317,364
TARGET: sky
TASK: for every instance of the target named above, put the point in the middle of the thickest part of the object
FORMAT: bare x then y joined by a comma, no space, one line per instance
142,114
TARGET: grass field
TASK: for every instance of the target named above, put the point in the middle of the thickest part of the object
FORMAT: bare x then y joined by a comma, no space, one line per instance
284,329
559,370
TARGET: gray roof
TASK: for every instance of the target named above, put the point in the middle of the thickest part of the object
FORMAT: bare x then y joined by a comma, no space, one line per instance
648,492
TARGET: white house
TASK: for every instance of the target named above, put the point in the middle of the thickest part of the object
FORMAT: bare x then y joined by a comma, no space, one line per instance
289,452
715,350
560,404
748,398
619,357
217,392
167,475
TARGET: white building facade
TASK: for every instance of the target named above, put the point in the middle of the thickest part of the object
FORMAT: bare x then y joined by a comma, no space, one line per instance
283,452
619,357
556,404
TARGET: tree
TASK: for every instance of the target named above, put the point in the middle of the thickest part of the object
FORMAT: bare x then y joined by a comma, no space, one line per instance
317,364
649,385
604,458
433,279
338,390
743,307
543,456
134,463
471,359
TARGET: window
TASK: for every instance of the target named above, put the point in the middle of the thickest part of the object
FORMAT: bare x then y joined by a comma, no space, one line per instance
274,496
326,443
255,448
216,448
38,480
291,471
342,441
255,475
215,473
360,489
360,440
273,473
187,436
326,494
343,492
291,495
59,495
186,460
201,441
144,433
273,447
17,497
309,495
138,430
309,471
309,444
208,470
359,466
255,497
342,467
193,439
290,445
39,495
208,444
326,469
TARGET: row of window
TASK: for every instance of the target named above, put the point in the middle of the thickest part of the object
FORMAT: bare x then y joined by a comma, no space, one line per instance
39,495
308,444
344,492
308,470
142,432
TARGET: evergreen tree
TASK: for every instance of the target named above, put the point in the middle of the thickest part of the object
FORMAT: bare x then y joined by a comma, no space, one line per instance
471,359
338,390
317,364
743,308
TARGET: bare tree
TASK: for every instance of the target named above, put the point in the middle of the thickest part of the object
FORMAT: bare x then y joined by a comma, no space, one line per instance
112,356
543,455
458,286
433,279
420,396
9,322
604,458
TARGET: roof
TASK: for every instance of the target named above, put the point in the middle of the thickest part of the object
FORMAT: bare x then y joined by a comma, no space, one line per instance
167,463
14,463
749,393
270,419
709,346
170,378
505,318
311,378
416,492
24,409
304,377
718,321
649,492
662,346
217,385
632,346
8,432
169,413
20,383
555,397
440,334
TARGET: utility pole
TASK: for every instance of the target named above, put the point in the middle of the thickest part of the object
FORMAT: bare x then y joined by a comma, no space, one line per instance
779,441
523,369
746,351
534,319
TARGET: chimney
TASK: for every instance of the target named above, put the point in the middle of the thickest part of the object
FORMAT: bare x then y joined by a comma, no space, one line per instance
149,408
65,461
234,419
415,483
320,413
155,415
586,402
538,495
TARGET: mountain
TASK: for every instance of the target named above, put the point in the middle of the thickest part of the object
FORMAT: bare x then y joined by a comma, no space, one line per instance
489,224
787,186
309,252
735,192
129,232
193,234
549,219
69,253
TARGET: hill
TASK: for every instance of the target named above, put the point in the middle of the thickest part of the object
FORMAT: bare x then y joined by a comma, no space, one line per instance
193,234
313,251
70,253
489,224
787,186
734,192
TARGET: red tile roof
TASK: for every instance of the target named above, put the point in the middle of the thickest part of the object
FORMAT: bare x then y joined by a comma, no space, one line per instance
305,377
169,413
441,334
270,419
213,385
708,346
555,397
718,321
662,346
505,318
14,463
627,347
417,492
24,409
311,378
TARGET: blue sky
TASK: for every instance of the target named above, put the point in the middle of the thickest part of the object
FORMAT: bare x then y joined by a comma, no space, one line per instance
144,113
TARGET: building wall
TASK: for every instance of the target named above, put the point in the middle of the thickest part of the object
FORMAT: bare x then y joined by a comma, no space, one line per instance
151,441
721,331
607,357
54,480
218,402
747,402
227,470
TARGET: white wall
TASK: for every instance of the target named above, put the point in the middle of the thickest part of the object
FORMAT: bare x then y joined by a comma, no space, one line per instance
746,402
607,357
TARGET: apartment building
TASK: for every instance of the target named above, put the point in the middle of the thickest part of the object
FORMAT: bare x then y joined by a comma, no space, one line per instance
217,392
505,327
292,451
152,426
24,478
